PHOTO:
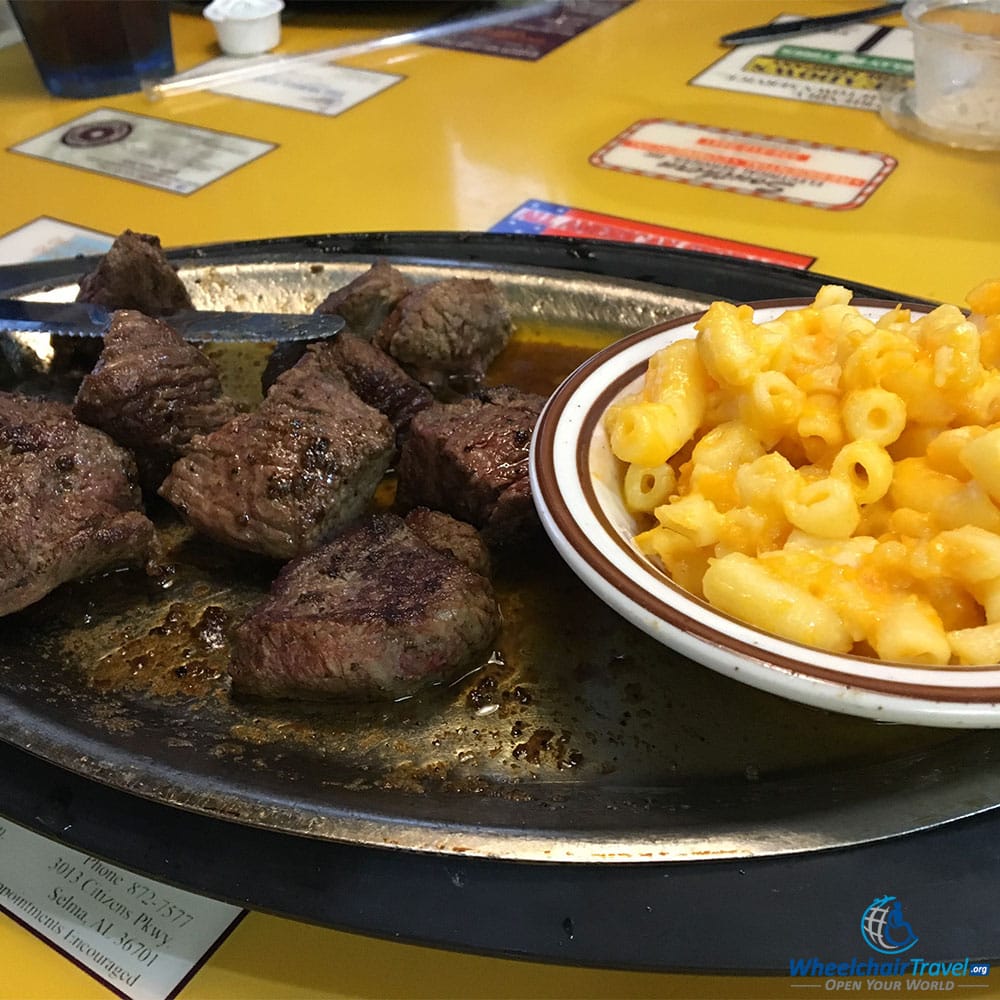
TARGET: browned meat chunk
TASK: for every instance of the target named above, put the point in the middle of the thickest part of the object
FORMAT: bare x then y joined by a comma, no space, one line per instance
152,392
470,459
71,505
443,532
366,302
376,613
283,479
375,377
454,327
135,274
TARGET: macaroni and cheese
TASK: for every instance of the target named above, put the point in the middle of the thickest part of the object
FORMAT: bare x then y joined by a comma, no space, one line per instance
826,477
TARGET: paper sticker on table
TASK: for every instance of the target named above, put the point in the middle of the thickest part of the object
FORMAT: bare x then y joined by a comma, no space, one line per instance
50,239
150,151
141,938
10,32
846,67
543,218
764,166
534,37
320,88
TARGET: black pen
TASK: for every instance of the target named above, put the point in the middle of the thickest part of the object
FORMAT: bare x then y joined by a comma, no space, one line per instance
778,29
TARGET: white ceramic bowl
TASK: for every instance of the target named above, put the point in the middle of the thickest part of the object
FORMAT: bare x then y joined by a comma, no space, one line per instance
575,480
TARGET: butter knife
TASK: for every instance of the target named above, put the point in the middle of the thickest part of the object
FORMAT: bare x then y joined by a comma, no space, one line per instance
84,319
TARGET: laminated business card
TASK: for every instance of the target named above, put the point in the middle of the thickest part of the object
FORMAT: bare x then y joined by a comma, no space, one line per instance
150,151
762,166
845,67
543,218
50,239
141,938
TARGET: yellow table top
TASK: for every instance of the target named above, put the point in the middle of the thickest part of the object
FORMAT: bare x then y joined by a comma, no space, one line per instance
460,142
267,958
465,139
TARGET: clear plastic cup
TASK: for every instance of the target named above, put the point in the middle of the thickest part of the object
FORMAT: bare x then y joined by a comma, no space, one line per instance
956,50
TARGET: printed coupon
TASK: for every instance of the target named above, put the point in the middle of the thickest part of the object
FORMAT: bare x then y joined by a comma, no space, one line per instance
846,67
764,166
534,37
141,938
50,239
319,88
542,218
150,151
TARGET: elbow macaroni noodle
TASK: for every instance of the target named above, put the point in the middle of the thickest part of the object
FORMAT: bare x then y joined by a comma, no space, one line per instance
828,478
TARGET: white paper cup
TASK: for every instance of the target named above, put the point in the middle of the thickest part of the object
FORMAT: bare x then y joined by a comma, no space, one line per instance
246,27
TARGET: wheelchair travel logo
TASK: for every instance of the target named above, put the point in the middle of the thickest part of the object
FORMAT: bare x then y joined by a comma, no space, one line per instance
884,927
894,967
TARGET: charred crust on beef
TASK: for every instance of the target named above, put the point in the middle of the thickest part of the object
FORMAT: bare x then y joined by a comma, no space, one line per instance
375,377
71,504
135,274
375,613
152,392
445,533
283,479
470,459
454,327
367,301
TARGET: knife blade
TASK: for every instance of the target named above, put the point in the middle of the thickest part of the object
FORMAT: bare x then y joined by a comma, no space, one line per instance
84,319
780,29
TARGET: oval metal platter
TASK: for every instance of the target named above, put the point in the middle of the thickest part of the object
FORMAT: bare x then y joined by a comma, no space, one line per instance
581,740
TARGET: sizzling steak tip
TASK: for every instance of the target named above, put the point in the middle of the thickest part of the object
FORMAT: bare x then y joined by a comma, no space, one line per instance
71,503
375,613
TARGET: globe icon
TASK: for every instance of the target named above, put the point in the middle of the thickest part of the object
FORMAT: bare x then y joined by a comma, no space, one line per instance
884,928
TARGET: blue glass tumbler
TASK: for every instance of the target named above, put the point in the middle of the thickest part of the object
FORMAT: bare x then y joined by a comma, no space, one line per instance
92,48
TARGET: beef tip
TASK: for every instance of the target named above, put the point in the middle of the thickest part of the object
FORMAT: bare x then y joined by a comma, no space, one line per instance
135,274
470,459
444,533
454,327
364,304
71,504
375,377
375,613
152,392
367,301
284,478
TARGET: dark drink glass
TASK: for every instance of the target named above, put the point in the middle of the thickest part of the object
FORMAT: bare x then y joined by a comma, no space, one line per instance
92,48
